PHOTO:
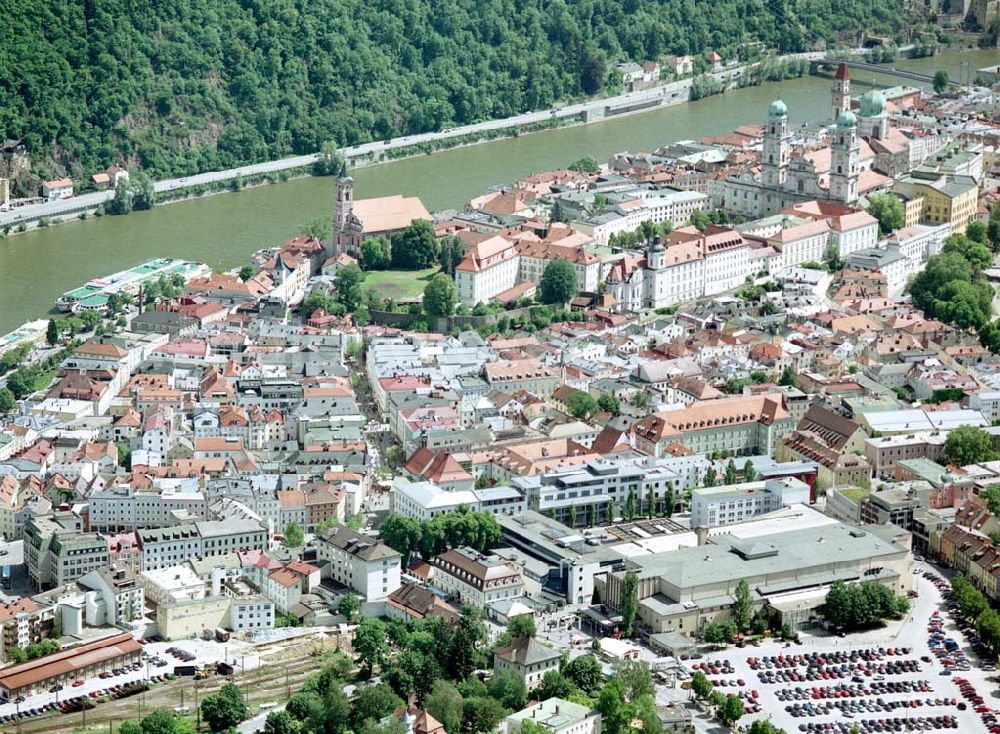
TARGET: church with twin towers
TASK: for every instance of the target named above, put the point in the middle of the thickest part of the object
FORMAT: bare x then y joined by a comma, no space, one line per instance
791,173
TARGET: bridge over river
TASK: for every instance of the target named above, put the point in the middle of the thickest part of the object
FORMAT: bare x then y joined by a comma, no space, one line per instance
915,76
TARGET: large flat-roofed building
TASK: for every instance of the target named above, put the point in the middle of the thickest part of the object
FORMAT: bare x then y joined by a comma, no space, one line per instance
733,503
789,560
568,492
885,452
745,424
87,660
910,420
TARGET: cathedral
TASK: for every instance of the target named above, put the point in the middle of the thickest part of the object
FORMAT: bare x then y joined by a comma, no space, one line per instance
790,176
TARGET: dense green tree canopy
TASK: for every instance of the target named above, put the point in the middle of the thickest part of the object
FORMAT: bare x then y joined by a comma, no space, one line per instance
969,445
180,86
888,210
439,296
559,282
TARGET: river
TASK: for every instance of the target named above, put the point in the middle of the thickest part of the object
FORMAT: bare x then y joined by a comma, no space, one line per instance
223,230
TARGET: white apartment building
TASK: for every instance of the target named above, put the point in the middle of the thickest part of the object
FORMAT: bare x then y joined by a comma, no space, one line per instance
657,205
251,613
367,566
733,503
120,508
474,578
170,546
424,500
489,268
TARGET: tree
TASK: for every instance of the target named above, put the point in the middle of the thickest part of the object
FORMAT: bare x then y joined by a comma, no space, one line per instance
976,231
468,636
21,383
439,296
940,81
668,502
159,722
636,677
609,404
481,715
376,253
615,711
7,402
559,282
509,689
888,209
742,609
444,703
731,474
293,536
629,601
978,254
374,703
587,164
851,606
318,227
415,247
710,477
348,282
749,473
224,710
581,404
553,685
349,605
969,445
630,505
731,710
521,625
279,722
52,333
591,511
700,220
700,685
246,272
585,673
991,496
329,162
787,378
370,643
719,633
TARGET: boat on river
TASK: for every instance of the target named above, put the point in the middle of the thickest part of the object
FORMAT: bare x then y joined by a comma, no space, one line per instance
94,295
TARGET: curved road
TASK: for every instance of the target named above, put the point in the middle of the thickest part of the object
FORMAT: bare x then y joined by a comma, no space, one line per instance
76,204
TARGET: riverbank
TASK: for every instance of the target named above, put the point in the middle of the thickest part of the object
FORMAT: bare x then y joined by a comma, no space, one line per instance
223,231
598,109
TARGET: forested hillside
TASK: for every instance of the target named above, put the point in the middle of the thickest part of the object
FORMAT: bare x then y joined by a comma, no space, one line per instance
180,86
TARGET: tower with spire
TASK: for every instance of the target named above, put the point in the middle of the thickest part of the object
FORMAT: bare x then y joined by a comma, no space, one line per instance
841,92
845,160
774,164
342,209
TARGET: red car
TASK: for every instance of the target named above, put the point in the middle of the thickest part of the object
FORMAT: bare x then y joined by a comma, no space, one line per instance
77,683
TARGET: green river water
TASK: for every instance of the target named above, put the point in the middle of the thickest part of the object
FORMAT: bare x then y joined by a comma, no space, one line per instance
222,230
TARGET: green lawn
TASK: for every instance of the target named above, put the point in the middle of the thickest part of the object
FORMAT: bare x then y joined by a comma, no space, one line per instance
399,284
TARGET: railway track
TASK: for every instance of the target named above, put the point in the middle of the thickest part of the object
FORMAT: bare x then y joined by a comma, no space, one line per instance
273,681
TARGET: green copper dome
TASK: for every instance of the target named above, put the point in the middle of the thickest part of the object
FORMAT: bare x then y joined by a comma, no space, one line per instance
847,119
872,103
777,109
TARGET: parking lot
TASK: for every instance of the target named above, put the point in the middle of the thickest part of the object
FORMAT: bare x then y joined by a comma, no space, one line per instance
897,679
